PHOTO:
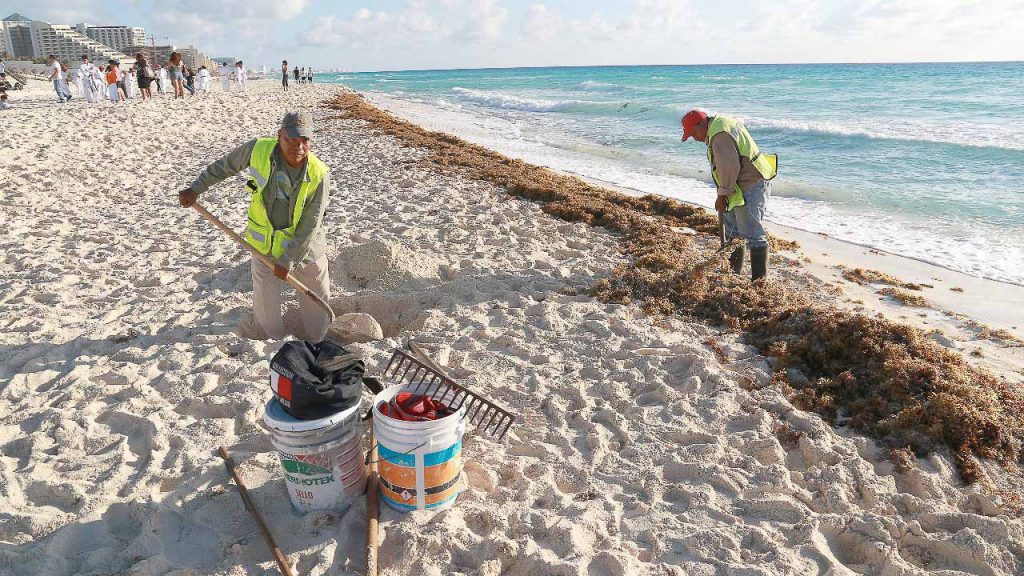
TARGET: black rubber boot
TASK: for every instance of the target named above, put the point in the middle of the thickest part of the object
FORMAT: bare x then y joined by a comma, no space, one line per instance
736,260
758,263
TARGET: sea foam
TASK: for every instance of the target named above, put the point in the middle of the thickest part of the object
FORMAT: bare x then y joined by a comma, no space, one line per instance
509,102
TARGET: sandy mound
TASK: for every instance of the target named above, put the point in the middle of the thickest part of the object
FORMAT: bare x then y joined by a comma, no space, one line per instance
355,327
383,265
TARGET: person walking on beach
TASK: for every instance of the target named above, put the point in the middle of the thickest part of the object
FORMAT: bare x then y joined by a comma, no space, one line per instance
120,79
204,79
190,81
225,77
742,175
114,91
177,71
297,75
78,80
129,83
241,75
87,70
60,85
144,76
284,75
162,79
309,75
288,194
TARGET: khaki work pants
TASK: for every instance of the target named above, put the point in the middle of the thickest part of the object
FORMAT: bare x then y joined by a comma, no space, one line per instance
266,299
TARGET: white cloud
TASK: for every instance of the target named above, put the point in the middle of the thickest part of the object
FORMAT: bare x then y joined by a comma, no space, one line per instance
416,18
882,30
594,29
486,20
187,27
541,23
331,30
236,9
417,23
665,14
64,12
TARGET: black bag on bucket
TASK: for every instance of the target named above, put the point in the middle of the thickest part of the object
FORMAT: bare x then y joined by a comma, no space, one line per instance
313,381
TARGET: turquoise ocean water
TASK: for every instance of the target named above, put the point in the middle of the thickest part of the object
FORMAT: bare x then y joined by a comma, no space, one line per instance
922,160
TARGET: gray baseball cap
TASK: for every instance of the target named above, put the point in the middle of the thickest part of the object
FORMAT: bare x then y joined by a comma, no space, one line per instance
298,125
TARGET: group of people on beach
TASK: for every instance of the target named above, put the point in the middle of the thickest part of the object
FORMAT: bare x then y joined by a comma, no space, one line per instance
121,84
4,86
303,75
116,83
233,78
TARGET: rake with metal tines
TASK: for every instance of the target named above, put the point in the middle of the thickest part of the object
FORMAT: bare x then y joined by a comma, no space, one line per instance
423,376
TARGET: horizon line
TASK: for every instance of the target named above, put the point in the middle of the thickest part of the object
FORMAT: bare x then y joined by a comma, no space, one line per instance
889,63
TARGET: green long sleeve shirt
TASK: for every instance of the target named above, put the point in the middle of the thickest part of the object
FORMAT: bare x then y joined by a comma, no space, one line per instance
279,200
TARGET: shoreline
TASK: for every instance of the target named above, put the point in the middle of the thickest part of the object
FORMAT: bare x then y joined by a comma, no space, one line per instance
827,354
825,252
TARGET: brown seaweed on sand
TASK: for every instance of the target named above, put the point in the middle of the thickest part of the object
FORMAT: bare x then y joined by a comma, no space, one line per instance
882,378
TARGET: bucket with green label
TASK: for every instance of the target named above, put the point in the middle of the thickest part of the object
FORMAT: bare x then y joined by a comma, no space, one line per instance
322,459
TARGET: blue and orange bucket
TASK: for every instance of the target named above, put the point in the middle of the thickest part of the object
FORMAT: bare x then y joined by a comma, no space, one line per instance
420,463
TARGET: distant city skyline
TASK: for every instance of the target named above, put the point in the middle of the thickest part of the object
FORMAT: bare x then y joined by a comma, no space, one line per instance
441,34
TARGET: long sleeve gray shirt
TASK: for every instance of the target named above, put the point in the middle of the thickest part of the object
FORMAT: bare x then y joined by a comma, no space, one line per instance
279,198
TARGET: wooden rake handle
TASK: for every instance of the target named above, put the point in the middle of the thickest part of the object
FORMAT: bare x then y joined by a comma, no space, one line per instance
282,561
266,260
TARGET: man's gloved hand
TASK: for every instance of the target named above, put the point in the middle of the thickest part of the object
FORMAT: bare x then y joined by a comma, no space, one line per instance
188,197
721,203
281,272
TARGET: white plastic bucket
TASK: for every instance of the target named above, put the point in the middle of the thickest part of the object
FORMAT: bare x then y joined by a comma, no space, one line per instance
322,459
420,463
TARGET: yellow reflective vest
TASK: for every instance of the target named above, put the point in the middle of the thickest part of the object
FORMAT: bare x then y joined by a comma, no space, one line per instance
260,232
766,164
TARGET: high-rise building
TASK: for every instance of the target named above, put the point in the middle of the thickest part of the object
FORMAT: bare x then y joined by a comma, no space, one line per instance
35,39
193,58
25,38
117,37
17,36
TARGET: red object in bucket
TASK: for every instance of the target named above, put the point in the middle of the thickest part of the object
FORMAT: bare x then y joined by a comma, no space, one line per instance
414,408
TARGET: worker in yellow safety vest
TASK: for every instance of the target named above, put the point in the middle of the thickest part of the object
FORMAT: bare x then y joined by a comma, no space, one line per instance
288,193
742,176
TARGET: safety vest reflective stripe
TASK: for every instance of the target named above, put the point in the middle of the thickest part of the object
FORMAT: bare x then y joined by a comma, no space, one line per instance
261,182
260,232
766,164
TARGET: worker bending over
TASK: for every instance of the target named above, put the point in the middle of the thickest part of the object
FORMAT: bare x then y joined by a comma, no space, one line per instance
743,176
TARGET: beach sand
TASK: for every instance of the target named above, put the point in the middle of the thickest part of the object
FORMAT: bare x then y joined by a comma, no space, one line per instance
641,445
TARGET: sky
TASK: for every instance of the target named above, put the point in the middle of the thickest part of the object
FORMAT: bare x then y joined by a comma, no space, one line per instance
436,34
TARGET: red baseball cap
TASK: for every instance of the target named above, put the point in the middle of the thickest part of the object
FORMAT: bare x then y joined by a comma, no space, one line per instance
690,121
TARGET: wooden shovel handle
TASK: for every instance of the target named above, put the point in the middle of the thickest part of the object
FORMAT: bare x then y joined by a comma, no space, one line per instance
266,260
279,557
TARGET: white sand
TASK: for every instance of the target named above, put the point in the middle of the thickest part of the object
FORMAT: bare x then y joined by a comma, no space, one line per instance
637,450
